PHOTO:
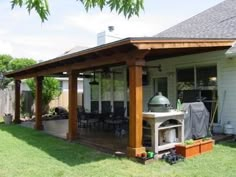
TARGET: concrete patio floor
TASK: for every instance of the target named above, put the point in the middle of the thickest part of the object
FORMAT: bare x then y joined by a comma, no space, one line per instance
99,138
103,139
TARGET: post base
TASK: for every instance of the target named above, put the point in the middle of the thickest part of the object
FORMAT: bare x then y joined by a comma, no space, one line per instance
16,121
38,127
132,152
71,137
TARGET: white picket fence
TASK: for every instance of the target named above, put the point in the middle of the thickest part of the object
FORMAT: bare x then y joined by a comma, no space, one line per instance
7,100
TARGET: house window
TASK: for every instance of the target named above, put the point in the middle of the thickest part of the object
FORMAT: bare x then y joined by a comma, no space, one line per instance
206,77
185,79
106,84
106,87
118,89
118,85
61,85
198,83
95,96
94,92
160,85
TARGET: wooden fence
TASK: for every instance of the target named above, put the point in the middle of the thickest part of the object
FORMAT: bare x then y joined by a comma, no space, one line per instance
7,102
7,99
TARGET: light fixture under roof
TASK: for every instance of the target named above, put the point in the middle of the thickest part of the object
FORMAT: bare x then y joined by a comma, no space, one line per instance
94,82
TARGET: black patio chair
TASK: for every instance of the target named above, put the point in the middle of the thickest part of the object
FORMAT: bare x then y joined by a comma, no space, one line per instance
117,118
86,120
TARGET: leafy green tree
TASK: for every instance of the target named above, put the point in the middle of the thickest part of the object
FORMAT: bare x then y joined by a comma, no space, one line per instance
51,90
20,63
7,63
127,7
51,86
4,67
4,62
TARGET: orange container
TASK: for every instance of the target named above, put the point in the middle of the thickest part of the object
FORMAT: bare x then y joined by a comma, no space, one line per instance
206,145
189,150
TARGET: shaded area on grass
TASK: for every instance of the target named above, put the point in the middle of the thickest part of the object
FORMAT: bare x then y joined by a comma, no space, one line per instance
26,153
229,143
69,153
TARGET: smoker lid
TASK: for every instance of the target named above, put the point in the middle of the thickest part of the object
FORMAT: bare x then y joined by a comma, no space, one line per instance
158,99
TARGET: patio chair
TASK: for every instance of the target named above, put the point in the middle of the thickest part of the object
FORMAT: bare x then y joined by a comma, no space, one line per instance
117,118
86,120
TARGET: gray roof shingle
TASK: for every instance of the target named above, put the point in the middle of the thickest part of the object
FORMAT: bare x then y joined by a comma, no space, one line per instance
216,22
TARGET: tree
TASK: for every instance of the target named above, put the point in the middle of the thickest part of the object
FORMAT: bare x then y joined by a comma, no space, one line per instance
4,67
4,62
51,90
128,7
20,63
51,86
7,64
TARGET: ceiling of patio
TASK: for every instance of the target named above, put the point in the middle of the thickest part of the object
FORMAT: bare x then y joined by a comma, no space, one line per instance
118,53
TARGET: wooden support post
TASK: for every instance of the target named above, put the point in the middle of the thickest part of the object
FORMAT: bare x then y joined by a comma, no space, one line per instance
17,101
73,119
136,108
38,104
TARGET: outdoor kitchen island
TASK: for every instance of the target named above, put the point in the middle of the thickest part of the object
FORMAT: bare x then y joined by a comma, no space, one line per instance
163,130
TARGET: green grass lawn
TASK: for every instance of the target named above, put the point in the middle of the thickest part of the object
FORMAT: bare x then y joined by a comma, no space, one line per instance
25,152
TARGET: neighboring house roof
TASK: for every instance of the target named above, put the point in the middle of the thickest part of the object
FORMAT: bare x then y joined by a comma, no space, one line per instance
74,49
216,22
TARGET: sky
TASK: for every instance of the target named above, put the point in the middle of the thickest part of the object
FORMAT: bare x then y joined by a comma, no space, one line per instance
69,25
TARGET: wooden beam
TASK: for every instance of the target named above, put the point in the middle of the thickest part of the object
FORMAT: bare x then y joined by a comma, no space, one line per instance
83,65
17,101
129,43
136,107
38,104
181,44
124,42
73,119
82,61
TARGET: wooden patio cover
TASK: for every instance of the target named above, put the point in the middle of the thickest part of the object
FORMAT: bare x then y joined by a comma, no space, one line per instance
133,52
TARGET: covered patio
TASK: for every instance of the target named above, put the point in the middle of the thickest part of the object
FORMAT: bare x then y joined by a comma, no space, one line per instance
133,53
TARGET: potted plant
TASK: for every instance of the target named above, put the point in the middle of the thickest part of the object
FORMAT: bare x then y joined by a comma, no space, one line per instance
206,144
190,148
7,118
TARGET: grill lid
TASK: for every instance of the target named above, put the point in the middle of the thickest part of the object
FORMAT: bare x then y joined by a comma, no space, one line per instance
158,100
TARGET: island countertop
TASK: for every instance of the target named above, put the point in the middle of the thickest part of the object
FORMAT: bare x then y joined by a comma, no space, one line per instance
162,114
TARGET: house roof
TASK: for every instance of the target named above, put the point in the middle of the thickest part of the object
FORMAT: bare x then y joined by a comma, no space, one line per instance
120,52
216,22
74,49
